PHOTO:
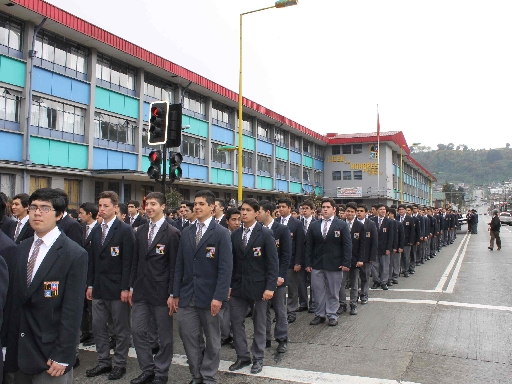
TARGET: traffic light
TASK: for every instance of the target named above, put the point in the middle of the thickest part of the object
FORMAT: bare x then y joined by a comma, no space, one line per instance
175,171
158,121
173,137
155,158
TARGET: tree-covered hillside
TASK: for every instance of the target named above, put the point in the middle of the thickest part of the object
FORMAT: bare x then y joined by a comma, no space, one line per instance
465,165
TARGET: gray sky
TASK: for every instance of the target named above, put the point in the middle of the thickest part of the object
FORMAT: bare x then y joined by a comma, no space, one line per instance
441,71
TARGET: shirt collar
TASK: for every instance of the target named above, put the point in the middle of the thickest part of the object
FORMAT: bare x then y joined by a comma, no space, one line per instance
270,225
109,224
251,227
50,237
206,222
159,222
135,217
330,218
64,214
92,225
24,220
286,218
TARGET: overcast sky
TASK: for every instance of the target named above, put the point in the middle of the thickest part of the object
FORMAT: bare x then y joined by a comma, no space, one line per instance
440,71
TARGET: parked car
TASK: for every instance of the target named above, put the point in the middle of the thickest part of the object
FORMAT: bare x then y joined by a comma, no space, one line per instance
506,218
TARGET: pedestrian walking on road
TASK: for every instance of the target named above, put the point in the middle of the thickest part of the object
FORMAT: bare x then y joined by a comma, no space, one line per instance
494,228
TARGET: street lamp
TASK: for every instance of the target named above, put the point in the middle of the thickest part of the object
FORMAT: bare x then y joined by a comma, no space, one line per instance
278,4
402,170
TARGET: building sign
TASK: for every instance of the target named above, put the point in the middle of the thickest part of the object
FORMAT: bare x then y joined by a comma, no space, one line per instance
336,159
371,168
349,192
374,151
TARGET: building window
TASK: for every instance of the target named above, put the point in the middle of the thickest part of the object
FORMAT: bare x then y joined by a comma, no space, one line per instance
56,115
72,188
358,175
10,105
281,169
280,137
61,51
127,192
98,188
294,172
158,89
10,32
115,72
306,174
294,142
221,113
336,149
264,130
264,164
113,186
113,128
347,175
247,161
346,149
336,175
358,149
247,125
37,182
306,146
319,178
319,151
194,102
8,184
221,157
192,147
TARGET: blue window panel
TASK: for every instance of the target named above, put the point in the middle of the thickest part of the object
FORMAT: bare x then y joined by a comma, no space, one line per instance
145,112
265,148
192,171
319,165
80,92
42,81
295,157
11,146
100,158
223,135
61,86
115,160
282,185
129,161
247,180
308,188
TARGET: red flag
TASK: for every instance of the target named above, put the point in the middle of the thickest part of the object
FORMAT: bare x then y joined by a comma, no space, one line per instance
378,126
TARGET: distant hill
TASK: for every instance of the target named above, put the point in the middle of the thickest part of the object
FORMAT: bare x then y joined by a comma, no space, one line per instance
471,166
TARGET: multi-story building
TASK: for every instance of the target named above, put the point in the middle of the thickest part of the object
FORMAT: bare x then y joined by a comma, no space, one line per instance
87,130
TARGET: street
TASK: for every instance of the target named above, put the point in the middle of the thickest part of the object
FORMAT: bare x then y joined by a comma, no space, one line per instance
448,323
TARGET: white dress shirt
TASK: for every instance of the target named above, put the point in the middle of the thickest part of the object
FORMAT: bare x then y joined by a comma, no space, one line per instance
205,227
48,241
307,222
250,231
284,220
329,222
270,225
91,227
157,228
109,225
132,219
350,223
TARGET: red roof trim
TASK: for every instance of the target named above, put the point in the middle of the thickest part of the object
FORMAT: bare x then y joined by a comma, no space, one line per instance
67,19
421,167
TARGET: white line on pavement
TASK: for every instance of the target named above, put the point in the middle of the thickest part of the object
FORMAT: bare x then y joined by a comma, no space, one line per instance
479,306
444,277
409,301
284,374
413,290
453,280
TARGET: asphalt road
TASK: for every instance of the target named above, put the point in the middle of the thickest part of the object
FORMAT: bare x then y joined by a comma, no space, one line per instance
449,323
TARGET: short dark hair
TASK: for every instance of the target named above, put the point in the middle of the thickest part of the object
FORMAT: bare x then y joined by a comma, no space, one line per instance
266,206
378,206
230,212
363,206
158,196
393,206
341,207
392,211
285,200
253,203
50,195
64,195
24,199
123,208
135,203
207,195
184,202
189,205
308,203
402,206
114,198
295,211
352,206
222,203
330,201
73,213
90,208
414,206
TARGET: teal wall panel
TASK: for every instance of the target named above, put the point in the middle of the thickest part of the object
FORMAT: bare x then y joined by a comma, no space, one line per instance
248,143
58,153
12,71
307,161
221,176
77,156
197,127
281,153
295,187
116,102
39,150
265,183
145,163
319,191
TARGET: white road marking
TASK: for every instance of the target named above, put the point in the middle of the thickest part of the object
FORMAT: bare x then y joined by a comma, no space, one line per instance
284,374
393,289
479,306
444,277
453,280
409,301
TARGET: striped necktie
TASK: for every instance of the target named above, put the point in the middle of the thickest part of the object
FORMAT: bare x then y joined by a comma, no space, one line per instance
32,261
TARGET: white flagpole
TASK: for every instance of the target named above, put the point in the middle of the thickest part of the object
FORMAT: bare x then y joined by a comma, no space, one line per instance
378,155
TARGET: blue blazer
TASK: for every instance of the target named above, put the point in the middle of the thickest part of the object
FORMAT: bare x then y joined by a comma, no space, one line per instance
205,270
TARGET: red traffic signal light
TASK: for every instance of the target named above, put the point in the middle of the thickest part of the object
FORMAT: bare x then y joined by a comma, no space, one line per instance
158,122
155,158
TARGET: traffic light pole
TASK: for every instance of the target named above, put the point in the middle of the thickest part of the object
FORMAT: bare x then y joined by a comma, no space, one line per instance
164,165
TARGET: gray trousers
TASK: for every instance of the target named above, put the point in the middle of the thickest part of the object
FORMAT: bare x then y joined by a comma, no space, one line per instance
225,330
414,257
380,269
191,321
326,288
406,258
303,288
42,378
279,303
142,313
152,331
394,266
259,318
292,302
120,312
364,275
353,276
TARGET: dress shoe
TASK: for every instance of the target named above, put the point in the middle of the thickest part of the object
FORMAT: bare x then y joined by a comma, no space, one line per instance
98,370
268,344
85,337
302,309
226,341
117,373
389,283
282,347
341,309
291,318
353,310
418,264
384,287
312,308
77,363
333,322
489,248
364,301
239,364
257,366
160,380
499,248
412,272
317,320
143,378
89,343
395,281
155,350
375,285
422,262
406,274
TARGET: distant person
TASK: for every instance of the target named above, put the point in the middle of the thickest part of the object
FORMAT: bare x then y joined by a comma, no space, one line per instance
494,228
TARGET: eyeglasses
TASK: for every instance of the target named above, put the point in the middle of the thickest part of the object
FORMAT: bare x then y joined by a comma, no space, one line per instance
42,208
